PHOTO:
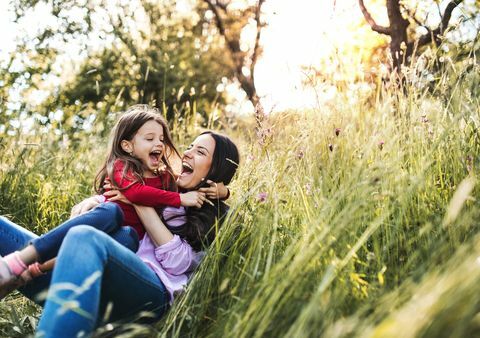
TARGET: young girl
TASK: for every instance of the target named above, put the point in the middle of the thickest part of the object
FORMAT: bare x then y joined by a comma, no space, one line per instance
137,165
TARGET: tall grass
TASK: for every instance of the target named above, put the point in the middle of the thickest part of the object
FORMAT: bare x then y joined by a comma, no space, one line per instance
357,219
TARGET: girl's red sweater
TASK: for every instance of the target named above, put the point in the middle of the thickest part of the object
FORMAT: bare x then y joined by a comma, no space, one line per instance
151,194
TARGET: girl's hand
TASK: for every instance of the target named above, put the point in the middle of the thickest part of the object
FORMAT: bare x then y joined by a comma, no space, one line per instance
84,206
192,199
215,190
116,195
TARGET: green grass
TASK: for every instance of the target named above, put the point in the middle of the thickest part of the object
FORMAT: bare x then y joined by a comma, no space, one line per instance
377,237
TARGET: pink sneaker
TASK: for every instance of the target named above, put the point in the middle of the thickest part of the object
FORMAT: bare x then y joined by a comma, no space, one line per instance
7,279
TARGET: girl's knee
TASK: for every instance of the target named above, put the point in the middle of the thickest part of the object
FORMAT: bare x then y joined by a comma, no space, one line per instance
83,234
113,211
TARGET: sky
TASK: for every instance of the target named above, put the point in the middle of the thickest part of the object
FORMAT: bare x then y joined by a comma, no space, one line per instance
294,38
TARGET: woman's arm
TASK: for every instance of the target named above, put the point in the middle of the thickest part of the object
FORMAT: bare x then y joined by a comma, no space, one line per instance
158,232
174,254
84,206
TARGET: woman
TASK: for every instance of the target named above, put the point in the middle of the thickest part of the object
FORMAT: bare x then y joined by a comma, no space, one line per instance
96,277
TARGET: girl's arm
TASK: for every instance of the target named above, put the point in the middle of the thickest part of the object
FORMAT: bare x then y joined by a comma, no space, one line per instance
158,232
138,193
153,197
216,190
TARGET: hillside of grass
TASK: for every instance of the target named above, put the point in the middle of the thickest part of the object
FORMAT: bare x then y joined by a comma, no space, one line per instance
358,218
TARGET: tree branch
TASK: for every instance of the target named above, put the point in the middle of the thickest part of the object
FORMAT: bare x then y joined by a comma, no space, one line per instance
257,38
434,35
218,19
413,15
375,27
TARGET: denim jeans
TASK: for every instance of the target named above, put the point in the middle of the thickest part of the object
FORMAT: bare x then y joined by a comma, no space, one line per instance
106,217
95,279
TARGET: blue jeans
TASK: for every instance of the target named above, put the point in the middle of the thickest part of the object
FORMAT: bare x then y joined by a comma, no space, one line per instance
95,279
106,217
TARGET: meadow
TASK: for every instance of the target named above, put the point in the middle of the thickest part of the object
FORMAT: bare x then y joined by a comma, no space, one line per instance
359,218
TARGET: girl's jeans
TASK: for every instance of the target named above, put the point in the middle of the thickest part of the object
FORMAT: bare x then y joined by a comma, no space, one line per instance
95,278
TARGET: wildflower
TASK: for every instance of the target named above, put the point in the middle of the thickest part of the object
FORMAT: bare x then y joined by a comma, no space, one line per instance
330,147
337,131
308,189
262,197
250,158
300,154
424,119
380,144
469,161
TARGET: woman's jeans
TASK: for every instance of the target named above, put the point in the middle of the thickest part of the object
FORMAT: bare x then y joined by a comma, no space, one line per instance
95,278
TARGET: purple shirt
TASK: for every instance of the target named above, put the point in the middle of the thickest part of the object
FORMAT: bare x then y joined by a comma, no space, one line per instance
174,261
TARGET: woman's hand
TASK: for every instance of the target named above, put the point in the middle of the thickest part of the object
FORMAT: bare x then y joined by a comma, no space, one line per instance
192,199
215,190
84,206
113,194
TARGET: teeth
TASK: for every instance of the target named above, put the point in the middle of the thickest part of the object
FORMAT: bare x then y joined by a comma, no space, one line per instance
186,165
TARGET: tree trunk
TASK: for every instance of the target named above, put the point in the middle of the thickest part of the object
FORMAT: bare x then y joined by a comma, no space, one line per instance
398,35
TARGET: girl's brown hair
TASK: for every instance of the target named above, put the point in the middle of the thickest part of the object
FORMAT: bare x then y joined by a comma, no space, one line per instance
125,129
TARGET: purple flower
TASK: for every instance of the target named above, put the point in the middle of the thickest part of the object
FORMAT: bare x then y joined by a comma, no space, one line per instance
262,197
380,144
337,131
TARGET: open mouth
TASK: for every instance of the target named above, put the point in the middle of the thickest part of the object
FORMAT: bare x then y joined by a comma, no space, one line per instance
155,157
187,169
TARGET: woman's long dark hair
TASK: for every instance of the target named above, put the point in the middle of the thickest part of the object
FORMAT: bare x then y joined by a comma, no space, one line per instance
199,230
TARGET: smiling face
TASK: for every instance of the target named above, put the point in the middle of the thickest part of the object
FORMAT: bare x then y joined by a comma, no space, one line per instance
147,145
196,162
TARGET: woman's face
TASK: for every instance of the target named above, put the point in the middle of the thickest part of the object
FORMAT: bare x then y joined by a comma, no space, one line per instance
196,162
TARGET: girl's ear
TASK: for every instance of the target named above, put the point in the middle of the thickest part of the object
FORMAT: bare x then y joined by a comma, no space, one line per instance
127,146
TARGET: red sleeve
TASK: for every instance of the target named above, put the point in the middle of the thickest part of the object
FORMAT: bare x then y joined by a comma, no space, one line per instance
139,193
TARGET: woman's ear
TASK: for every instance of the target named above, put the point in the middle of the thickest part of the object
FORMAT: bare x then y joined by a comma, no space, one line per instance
127,146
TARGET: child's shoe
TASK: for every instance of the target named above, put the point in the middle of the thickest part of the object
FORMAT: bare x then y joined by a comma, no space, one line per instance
6,275
7,278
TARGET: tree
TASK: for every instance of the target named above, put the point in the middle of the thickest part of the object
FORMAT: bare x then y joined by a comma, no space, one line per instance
400,19
230,22
131,52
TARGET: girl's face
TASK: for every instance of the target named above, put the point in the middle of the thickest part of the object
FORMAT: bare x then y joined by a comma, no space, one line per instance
147,145
196,162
